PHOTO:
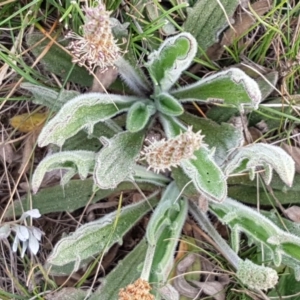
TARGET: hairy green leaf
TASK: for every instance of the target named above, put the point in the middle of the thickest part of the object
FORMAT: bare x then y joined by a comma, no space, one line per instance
126,272
173,56
49,97
168,105
268,156
224,137
74,195
207,19
167,240
79,161
163,231
260,229
83,111
172,126
134,78
98,236
138,116
231,87
82,141
115,161
257,277
205,175
141,174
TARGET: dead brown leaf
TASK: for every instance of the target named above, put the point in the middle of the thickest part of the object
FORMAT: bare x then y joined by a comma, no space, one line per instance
104,79
243,21
7,152
210,287
294,152
29,144
293,213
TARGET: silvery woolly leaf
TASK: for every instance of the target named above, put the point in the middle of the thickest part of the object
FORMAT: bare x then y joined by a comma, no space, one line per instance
269,156
207,19
167,63
260,230
97,236
4,231
206,175
132,77
83,112
116,160
231,87
48,97
168,105
163,231
77,161
138,116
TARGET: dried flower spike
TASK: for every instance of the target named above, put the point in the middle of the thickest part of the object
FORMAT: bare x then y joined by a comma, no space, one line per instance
97,47
161,155
139,290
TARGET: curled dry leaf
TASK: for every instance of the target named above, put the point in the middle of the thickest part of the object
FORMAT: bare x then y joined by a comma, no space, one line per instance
29,144
7,152
210,288
293,213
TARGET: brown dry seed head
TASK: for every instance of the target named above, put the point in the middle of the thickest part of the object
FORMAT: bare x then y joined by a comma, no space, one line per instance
164,154
97,47
139,290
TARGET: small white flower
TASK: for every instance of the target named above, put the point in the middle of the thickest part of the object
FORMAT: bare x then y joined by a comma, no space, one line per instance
28,235
22,232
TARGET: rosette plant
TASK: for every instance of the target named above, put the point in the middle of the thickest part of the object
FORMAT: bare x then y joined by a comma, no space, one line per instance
197,154
117,161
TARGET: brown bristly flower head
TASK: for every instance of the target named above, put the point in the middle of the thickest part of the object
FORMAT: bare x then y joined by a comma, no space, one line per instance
164,154
97,46
139,290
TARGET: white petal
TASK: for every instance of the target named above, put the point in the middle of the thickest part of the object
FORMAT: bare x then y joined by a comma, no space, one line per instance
22,232
37,233
24,247
15,244
34,213
33,244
